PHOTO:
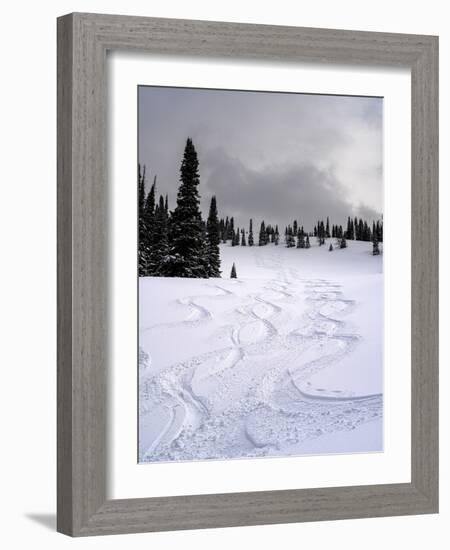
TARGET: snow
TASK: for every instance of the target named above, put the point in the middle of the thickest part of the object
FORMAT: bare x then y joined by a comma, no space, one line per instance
284,360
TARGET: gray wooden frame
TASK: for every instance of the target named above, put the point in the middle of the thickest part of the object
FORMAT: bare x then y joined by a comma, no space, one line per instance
83,40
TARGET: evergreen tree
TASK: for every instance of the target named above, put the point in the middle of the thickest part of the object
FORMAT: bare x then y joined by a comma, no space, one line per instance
142,248
366,236
262,234
295,227
327,230
330,248
376,249
141,191
343,243
149,208
233,274
349,228
307,243
300,239
149,216
276,236
243,242
188,254
250,234
290,239
361,233
225,231
213,240
159,254
230,230
237,235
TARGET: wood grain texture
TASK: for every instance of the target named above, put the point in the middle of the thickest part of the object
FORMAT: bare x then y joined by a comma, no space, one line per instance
83,40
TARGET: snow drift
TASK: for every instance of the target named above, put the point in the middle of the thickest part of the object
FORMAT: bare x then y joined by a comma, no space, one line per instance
284,360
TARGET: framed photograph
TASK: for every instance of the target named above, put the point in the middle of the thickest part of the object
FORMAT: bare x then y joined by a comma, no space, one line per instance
247,274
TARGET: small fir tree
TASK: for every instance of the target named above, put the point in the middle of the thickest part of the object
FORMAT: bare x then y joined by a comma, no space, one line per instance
262,234
213,240
230,230
250,234
158,260
233,274
376,248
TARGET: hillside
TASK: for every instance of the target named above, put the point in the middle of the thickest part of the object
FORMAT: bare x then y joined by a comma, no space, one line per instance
286,359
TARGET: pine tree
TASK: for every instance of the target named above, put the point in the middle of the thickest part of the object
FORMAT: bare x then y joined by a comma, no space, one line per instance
250,234
375,249
230,230
327,230
225,231
330,248
233,274
237,235
149,217
262,234
149,208
160,244
142,248
188,254
290,239
307,244
300,239
343,243
166,205
213,238
141,190
276,236
243,242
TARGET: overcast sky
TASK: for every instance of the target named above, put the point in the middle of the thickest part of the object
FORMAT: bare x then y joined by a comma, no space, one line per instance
271,156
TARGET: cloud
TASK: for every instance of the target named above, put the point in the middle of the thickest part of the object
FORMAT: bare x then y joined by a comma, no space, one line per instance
279,194
273,155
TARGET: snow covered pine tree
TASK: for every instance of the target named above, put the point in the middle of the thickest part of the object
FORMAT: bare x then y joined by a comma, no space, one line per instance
213,237
188,255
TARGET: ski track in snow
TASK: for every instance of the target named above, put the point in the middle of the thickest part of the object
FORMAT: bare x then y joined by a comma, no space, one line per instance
228,403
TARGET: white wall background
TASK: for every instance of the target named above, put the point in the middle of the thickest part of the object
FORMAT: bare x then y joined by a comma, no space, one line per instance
28,268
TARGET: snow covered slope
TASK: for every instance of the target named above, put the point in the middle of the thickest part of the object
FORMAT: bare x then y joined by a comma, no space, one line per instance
284,360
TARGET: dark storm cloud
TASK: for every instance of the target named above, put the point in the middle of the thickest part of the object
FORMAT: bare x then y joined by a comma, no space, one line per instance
279,194
268,155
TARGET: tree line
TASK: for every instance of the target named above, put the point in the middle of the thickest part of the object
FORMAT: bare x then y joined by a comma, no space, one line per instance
180,243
